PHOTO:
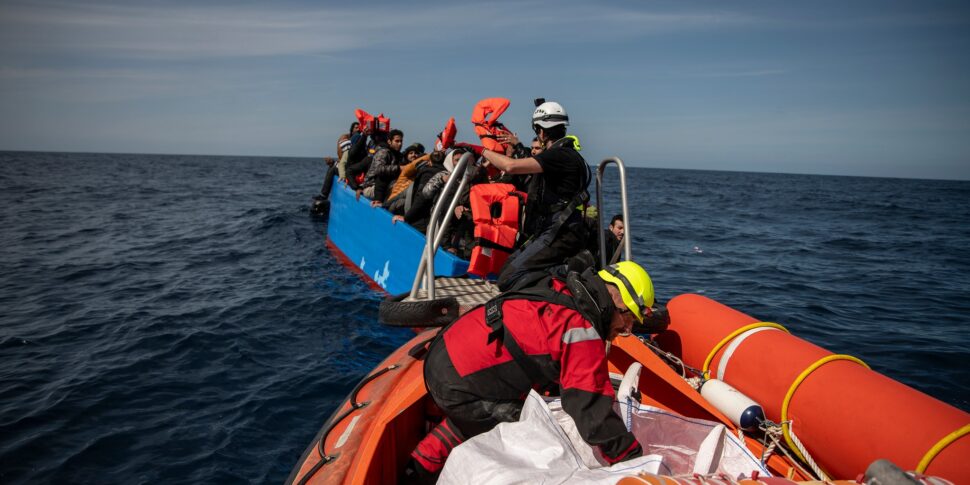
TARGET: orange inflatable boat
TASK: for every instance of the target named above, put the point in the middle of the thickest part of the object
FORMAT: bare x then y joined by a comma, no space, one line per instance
368,439
788,410
843,413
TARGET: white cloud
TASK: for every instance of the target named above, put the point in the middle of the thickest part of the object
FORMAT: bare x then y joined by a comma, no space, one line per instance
204,32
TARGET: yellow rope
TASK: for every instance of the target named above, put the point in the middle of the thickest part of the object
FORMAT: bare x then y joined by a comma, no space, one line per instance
730,337
785,424
938,447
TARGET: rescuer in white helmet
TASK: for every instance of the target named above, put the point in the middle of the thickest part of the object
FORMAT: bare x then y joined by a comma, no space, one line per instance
553,229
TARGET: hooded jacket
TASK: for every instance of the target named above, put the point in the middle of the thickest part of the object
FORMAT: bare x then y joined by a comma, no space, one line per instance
426,187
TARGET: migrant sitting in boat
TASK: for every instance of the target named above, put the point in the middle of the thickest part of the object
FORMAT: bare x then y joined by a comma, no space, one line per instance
414,158
550,178
428,182
614,239
549,336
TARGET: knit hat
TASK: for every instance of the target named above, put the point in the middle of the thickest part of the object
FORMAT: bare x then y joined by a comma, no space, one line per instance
414,147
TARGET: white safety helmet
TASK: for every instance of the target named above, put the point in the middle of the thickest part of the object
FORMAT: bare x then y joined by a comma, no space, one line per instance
550,114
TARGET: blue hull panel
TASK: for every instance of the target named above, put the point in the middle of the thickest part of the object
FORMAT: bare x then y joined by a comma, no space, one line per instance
386,253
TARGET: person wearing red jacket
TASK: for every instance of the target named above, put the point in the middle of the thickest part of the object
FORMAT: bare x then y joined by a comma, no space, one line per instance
550,336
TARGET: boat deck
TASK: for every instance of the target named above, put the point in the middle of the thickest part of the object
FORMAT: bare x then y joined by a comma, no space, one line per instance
468,292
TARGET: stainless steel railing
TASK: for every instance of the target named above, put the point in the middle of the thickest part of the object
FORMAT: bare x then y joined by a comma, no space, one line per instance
450,195
434,234
627,254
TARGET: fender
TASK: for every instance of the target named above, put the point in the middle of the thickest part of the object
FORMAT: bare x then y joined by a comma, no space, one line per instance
495,211
488,127
446,139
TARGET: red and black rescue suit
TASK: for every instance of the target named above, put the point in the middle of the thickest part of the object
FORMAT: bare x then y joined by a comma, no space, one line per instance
549,337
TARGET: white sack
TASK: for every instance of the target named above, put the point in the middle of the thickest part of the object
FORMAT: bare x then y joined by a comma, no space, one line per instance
544,447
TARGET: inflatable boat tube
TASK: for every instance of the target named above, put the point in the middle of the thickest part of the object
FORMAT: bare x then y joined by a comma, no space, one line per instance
845,414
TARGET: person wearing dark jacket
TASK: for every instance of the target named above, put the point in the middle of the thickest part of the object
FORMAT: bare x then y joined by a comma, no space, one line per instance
427,185
549,336
553,230
614,239
384,168
361,153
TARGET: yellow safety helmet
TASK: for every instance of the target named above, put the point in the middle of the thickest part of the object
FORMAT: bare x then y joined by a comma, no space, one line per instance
634,285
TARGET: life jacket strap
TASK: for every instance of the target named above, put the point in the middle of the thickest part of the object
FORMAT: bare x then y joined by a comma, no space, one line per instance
485,243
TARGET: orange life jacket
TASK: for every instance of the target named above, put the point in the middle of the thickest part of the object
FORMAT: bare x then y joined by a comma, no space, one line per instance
382,123
364,118
488,128
495,211
379,123
446,139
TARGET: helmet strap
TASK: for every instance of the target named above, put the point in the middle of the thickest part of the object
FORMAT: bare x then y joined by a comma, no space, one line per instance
629,287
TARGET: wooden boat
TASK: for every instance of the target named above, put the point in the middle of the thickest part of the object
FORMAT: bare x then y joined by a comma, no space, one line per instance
387,255
836,415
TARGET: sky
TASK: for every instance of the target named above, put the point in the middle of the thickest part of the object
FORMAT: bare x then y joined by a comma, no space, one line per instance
872,88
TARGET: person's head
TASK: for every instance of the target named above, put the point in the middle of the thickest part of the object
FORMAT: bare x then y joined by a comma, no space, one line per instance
549,121
616,226
632,291
354,127
536,146
413,151
395,138
378,136
437,157
456,155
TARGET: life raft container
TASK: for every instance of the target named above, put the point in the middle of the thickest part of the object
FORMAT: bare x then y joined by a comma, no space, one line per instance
446,139
495,211
487,127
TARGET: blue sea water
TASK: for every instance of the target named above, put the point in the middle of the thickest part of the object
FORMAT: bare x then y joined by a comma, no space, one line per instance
179,318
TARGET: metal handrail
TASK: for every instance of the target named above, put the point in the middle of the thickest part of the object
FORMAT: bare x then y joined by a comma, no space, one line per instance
434,235
599,209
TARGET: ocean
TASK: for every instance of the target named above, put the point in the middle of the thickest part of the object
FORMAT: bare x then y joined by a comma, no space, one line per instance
170,318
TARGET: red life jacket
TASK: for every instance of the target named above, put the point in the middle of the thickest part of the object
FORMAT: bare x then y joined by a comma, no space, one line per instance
495,211
364,118
488,128
446,139
378,123
382,123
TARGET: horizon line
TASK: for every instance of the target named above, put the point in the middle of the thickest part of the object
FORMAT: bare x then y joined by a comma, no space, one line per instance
3,150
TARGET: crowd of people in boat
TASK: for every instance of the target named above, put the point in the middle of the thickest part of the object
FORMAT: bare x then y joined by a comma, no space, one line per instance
556,297
407,182
559,307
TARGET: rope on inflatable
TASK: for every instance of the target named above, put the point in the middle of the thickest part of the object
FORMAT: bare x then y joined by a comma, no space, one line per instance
731,336
938,447
790,437
772,442
800,450
674,359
